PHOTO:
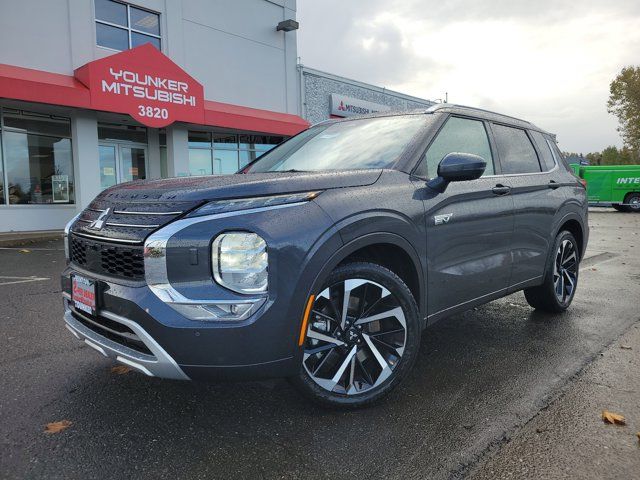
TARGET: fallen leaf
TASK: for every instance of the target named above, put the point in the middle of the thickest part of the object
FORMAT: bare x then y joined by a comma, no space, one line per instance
625,347
638,435
613,418
120,369
24,250
56,427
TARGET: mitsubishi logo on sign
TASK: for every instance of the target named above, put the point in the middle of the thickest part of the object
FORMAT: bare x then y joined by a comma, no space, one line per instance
146,84
342,106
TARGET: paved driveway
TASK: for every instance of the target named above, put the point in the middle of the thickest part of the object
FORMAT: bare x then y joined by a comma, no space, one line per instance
479,377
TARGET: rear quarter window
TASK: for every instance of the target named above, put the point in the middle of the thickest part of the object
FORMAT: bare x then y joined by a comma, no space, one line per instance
516,151
544,148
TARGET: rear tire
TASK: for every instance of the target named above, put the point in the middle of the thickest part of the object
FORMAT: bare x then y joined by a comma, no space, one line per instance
561,278
355,359
632,201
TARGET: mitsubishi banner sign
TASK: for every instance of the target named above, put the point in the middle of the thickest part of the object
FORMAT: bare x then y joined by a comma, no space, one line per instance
145,84
342,106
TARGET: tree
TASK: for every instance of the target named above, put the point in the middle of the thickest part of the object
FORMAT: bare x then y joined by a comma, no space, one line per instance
610,156
624,103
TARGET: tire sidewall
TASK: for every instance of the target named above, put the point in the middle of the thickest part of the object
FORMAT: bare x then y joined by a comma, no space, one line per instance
628,199
563,235
398,288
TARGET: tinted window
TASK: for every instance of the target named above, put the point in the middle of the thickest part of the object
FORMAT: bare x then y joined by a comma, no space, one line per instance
545,150
517,154
352,144
458,135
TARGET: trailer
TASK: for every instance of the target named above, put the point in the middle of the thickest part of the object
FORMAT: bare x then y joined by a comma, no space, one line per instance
614,185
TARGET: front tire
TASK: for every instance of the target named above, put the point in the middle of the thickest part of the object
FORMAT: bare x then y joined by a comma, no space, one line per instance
632,202
561,278
362,339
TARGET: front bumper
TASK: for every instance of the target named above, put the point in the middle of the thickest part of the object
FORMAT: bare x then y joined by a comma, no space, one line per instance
156,363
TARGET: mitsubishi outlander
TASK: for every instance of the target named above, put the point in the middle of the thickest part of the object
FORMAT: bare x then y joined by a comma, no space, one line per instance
325,259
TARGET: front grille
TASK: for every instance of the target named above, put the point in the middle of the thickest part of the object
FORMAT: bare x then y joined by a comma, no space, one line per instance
114,331
128,222
119,261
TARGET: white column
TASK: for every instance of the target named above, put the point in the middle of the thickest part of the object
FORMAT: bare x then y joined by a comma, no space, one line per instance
177,151
86,167
153,147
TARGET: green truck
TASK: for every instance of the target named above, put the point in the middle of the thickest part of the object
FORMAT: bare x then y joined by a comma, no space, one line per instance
615,185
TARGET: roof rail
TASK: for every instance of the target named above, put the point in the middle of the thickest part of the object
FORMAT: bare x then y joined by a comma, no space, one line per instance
454,107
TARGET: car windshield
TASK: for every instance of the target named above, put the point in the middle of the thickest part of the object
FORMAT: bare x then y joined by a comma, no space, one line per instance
354,144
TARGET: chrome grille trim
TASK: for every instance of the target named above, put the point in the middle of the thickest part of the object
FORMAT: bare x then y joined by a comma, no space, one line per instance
151,214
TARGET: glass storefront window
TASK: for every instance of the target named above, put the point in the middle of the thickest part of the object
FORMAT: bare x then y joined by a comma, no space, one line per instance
199,139
39,168
225,141
107,158
259,142
200,161
133,163
225,162
127,133
225,153
28,122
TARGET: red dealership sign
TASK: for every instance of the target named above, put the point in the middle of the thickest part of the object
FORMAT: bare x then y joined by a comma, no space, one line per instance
145,84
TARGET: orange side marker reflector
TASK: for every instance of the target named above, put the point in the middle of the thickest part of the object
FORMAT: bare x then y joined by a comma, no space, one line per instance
305,320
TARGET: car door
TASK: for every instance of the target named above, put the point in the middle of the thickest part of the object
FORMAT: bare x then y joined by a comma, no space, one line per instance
537,195
469,226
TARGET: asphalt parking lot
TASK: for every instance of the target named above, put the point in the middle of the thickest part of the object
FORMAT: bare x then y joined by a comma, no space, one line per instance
481,376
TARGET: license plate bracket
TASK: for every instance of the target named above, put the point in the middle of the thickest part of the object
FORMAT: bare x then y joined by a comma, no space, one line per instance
83,294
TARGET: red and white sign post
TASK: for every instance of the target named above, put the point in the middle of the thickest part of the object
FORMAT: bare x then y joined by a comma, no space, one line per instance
145,84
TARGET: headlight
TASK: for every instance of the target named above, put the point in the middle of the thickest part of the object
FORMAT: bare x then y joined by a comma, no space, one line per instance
239,261
233,205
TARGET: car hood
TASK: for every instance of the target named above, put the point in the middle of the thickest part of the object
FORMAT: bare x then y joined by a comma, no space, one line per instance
195,189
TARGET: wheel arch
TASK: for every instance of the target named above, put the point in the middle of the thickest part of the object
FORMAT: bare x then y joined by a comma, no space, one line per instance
387,249
573,223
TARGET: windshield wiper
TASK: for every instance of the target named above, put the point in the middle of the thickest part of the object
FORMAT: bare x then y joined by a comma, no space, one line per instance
291,170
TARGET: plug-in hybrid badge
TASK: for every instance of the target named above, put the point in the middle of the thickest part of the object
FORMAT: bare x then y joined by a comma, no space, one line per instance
442,219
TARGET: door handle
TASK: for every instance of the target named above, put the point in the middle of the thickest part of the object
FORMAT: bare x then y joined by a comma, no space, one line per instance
553,184
500,189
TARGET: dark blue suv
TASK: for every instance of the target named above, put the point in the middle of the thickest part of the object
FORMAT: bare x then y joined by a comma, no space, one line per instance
325,259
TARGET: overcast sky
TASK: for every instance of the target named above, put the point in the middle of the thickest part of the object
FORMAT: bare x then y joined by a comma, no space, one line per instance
547,61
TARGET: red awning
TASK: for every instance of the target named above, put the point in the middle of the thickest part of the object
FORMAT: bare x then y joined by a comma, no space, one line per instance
18,83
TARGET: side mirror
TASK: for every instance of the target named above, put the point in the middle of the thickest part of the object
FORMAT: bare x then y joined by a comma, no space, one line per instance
457,167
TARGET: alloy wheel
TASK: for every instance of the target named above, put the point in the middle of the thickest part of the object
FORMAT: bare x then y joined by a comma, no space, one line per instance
565,271
356,337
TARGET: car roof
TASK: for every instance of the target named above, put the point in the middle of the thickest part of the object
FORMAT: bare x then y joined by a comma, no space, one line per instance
452,109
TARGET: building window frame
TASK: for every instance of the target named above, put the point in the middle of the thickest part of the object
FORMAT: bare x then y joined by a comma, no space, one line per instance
129,29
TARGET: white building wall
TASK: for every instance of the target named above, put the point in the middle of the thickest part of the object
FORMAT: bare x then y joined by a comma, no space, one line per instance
230,46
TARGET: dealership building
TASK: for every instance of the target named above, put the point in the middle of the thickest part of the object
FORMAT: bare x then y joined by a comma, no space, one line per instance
98,92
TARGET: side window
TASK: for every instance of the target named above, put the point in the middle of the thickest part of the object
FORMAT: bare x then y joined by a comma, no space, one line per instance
557,154
544,148
458,135
517,154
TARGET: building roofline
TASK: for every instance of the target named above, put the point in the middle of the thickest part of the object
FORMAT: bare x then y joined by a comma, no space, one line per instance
319,73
